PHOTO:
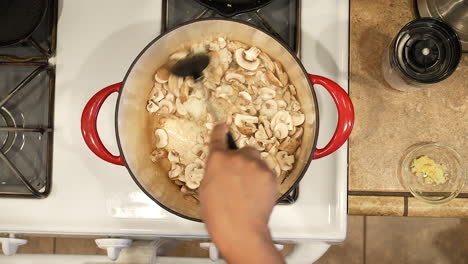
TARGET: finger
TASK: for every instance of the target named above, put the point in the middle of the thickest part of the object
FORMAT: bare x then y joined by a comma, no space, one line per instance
218,140
250,152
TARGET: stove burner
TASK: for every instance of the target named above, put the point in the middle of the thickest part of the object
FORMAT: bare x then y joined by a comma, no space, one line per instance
7,134
26,107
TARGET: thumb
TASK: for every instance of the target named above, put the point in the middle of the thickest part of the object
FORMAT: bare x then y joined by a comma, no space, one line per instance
218,140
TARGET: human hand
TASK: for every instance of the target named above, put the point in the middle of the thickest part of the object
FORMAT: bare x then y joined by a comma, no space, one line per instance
237,196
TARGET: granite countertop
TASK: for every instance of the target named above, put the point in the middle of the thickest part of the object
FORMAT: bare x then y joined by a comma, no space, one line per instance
388,121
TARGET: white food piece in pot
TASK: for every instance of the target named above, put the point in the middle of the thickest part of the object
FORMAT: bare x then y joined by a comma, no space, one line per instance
166,107
162,75
161,138
246,124
174,83
273,80
252,53
298,118
280,130
291,144
196,108
152,107
182,136
292,89
242,141
224,91
281,104
244,63
269,159
158,154
282,117
194,179
269,108
179,55
198,48
157,89
222,42
266,93
225,57
295,106
267,61
234,76
282,76
180,108
255,144
175,171
285,160
261,133
173,156
246,96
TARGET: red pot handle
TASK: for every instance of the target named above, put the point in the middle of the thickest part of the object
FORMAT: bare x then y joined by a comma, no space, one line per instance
89,124
345,115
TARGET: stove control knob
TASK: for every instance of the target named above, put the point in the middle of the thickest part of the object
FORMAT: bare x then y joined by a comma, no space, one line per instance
113,246
10,244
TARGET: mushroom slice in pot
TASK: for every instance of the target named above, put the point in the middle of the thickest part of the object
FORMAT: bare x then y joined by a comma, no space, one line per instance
162,75
246,124
158,154
152,107
173,156
267,61
175,171
234,76
273,80
266,93
240,57
282,117
161,138
166,107
285,160
298,118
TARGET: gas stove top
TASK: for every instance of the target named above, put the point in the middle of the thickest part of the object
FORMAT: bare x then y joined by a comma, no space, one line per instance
26,111
90,196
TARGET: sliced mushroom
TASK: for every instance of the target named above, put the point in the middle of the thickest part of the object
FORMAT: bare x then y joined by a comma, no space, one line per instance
269,108
174,83
252,53
246,124
234,76
152,107
242,141
295,106
162,75
194,179
282,117
256,144
155,92
175,171
224,91
292,89
199,151
222,42
285,160
245,63
282,76
267,61
298,118
170,97
261,133
266,93
273,80
235,45
180,108
291,144
166,107
198,48
280,131
173,156
179,55
158,154
281,104
245,97
269,159
287,97
161,138
184,91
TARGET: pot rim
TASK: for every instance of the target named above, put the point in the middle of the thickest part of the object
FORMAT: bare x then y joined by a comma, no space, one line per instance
281,42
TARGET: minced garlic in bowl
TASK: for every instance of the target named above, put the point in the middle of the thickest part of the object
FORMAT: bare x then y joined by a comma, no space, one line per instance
431,171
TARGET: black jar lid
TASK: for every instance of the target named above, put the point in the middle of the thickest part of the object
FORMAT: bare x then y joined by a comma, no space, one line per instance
427,50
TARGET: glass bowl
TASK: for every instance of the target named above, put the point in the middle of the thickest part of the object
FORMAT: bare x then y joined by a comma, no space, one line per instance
433,193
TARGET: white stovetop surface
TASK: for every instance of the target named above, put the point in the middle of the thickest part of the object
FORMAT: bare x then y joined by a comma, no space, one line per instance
97,41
